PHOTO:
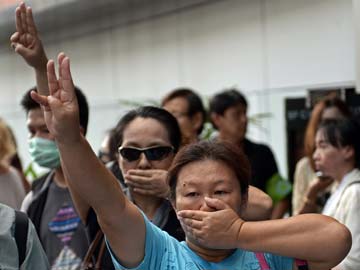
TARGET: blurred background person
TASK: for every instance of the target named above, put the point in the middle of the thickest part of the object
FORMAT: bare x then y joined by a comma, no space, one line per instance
187,107
330,107
12,191
337,157
228,112
15,161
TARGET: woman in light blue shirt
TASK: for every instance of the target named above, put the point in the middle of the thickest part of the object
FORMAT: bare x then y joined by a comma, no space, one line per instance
209,193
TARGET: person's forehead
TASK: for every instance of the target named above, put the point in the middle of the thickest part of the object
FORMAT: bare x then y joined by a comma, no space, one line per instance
145,132
331,113
35,116
320,135
206,172
177,104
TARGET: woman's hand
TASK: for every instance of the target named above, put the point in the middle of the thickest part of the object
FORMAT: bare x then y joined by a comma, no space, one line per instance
219,229
148,182
60,107
26,41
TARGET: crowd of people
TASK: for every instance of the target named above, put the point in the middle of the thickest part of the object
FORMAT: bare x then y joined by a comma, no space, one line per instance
157,196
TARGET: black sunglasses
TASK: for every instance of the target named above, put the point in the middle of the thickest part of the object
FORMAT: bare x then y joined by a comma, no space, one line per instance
151,153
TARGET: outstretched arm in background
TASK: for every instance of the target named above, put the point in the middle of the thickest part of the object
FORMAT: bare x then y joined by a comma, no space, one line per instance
26,42
259,205
120,220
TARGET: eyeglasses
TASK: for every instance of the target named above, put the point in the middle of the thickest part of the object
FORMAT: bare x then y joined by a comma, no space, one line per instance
151,153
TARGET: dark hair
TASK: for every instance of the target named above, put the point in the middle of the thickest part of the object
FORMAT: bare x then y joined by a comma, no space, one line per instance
315,119
195,104
341,133
112,144
161,115
225,152
220,102
29,104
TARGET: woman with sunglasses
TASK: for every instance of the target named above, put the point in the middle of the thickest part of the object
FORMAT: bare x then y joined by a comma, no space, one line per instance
148,139
210,193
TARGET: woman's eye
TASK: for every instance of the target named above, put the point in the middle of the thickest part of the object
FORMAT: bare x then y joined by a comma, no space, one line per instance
220,192
192,194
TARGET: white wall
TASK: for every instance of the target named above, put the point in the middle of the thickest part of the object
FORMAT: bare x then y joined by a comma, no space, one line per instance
271,49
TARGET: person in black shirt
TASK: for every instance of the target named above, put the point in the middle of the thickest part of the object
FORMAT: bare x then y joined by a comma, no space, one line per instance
228,112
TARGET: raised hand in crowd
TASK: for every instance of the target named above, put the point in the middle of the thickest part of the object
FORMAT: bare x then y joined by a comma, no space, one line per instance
26,42
60,107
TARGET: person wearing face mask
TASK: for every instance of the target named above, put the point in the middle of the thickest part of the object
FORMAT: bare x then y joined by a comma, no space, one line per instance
49,204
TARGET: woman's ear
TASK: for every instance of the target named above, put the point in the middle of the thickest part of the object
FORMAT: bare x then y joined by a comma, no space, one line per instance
197,120
82,131
215,119
349,152
173,203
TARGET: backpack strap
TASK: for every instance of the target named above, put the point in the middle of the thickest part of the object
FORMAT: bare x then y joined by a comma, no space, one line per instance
21,232
262,261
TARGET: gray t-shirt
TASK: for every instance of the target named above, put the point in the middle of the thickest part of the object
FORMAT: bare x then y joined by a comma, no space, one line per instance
11,189
35,258
61,231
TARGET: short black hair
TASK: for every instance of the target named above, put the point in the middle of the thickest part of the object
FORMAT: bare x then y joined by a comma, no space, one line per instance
164,117
341,133
29,104
222,101
194,101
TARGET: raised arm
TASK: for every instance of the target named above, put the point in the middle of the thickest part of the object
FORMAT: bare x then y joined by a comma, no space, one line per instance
259,206
121,221
26,42
320,240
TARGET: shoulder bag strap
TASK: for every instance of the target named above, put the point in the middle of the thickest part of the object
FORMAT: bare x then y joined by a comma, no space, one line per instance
88,259
21,232
262,261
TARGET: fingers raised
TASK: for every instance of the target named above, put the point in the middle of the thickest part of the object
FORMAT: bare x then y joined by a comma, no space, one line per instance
52,79
31,27
23,17
60,59
18,20
68,92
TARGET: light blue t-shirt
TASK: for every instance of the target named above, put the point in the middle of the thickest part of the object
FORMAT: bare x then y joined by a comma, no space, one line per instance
163,252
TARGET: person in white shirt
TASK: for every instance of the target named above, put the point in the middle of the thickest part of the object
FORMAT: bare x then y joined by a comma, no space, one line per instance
337,156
